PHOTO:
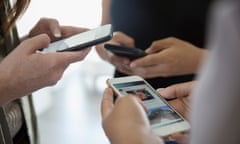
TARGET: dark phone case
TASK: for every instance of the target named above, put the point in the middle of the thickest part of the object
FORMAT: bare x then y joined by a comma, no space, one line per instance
88,44
131,53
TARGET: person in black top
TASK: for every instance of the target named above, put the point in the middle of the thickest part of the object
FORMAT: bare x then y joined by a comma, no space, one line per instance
141,23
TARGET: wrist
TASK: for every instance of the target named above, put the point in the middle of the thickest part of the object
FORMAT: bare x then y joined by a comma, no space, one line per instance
3,89
6,90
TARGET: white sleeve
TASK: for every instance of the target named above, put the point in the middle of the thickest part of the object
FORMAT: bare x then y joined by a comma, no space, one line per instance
216,103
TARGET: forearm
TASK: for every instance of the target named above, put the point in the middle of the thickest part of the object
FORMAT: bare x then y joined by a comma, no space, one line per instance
8,89
4,89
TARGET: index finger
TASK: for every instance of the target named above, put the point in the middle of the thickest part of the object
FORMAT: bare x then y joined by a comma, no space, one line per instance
107,103
149,60
54,27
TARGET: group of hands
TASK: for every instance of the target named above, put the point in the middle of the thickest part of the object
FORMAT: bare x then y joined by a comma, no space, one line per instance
25,70
125,120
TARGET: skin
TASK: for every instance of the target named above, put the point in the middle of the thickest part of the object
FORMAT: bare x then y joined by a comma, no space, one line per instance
125,121
121,63
167,57
53,29
25,70
180,93
124,125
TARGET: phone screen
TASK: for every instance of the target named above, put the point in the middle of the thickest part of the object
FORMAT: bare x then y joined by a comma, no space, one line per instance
159,112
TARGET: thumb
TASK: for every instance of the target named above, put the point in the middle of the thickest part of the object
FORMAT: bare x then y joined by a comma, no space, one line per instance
107,103
159,45
177,90
36,43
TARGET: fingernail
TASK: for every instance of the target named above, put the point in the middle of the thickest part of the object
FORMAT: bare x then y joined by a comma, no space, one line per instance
57,35
147,50
132,65
160,89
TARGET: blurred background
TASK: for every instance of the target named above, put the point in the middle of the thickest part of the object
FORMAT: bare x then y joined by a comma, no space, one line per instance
69,112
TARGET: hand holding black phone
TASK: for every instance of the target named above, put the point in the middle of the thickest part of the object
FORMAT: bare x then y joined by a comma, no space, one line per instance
131,53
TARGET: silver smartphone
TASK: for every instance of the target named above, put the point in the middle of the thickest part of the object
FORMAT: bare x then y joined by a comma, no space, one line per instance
163,118
82,40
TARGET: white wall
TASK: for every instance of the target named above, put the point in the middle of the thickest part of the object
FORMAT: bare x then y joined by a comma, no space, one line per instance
86,13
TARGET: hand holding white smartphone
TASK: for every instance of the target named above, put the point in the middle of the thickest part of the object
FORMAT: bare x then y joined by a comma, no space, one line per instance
82,40
163,118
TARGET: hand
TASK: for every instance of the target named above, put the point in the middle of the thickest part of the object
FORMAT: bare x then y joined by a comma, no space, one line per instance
25,70
121,63
53,29
169,57
180,95
126,121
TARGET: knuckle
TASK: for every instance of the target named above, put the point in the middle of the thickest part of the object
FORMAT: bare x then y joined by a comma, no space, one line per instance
130,41
154,42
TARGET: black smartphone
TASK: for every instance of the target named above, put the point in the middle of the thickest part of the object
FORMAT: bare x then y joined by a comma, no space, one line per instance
82,40
131,53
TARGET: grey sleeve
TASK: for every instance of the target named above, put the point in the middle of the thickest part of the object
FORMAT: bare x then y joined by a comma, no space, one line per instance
216,103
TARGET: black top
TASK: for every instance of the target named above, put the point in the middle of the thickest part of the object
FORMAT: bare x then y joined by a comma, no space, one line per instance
150,20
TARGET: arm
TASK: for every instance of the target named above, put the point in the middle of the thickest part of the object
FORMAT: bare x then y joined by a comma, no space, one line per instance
25,70
215,117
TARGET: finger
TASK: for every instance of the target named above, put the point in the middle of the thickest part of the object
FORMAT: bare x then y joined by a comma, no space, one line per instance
114,59
151,71
54,28
149,60
36,43
160,45
70,30
123,39
180,106
107,103
177,90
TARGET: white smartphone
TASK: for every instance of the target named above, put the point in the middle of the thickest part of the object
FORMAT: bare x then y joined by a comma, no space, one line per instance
163,118
82,40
